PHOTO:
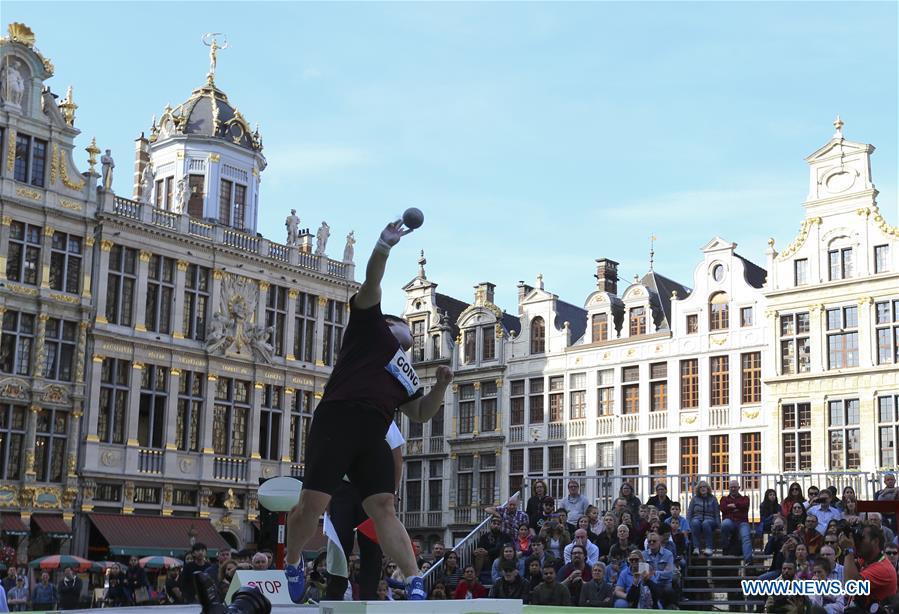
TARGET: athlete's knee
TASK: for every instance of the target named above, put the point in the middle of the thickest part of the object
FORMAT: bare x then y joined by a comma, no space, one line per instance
379,506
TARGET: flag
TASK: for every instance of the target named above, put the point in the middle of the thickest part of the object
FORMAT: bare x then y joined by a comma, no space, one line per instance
335,559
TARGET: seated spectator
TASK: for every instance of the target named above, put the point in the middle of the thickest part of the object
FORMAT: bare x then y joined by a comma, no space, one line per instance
523,541
594,525
831,604
562,514
451,573
876,519
679,539
607,536
260,562
469,587
627,520
556,538
383,591
683,522
439,592
596,593
621,548
735,513
813,492
796,517
510,516
571,575
575,504
550,592
493,540
662,562
830,553
777,548
508,555
173,594
546,514
538,551
786,604
534,575
626,492
877,570
612,570
226,575
824,511
534,507
847,495
510,585
619,506
437,552
704,516
425,565
809,535
590,549
769,508
888,493
661,501
794,495
641,525
316,581
803,563
633,587
891,552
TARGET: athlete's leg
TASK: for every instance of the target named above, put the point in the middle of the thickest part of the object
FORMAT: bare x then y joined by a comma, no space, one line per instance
391,533
302,521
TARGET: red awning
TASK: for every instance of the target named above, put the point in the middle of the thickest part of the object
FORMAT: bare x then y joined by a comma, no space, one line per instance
13,525
155,535
52,525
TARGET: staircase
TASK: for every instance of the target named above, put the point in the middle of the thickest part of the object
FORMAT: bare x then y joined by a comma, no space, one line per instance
713,583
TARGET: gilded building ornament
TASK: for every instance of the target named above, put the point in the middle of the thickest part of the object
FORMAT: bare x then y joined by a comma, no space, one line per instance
145,256
68,107
54,163
214,157
498,330
97,358
26,494
128,491
106,245
71,205
28,193
34,408
7,220
234,327
799,241
865,300
218,274
293,293
182,265
64,174
264,286
212,378
64,298
71,464
14,389
882,225
9,496
92,152
69,496
322,301
175,372
29,462
11,152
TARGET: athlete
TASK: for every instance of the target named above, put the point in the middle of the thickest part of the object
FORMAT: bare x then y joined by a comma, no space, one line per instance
371,378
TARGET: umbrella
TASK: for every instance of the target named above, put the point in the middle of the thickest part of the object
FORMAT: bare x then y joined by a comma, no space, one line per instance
61,561
160,562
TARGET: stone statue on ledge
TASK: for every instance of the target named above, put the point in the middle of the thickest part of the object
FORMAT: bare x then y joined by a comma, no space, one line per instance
349,249
108,164
321,238
292,223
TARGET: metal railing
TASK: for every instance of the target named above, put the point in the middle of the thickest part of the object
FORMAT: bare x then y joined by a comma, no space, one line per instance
464,549
602,490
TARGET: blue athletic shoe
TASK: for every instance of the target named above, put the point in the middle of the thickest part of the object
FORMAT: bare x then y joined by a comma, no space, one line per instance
415,589
296,582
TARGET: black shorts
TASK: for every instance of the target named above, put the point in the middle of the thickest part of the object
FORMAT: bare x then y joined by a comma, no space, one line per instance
348,439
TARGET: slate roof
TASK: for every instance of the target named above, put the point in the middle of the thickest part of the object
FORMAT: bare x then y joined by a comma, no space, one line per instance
660,288
755,275
575,316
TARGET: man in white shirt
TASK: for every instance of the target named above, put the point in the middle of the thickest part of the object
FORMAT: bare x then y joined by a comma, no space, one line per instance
580,539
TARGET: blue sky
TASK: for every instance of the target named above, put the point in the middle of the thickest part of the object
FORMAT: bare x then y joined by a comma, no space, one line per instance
535,137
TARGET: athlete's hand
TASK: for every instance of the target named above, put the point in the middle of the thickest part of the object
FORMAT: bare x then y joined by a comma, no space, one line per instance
393,232
444,375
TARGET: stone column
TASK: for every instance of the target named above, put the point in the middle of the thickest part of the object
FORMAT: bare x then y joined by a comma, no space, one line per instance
284,444
253,426
103,281
318,348
171,422
131,418
87,264
93,406
40,346
4,238
30,429
178,314
817,340
140,300
206,468
261,303
215,292
290,325
72,444
46,245
867,347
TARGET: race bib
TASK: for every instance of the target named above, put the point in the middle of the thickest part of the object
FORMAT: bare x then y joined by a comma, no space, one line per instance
401,368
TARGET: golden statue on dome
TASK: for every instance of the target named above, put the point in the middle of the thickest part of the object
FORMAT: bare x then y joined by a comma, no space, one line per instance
211,40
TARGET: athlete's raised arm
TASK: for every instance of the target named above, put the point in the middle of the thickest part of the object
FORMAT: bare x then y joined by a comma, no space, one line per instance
370,293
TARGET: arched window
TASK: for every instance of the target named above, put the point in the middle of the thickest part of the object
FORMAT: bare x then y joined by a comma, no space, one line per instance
718,318
538,336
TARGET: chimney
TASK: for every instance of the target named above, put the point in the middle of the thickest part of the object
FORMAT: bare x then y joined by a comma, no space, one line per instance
483,293
141,160
607,275
523,290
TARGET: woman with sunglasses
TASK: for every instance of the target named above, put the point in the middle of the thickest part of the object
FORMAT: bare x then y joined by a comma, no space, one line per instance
796,517
794,494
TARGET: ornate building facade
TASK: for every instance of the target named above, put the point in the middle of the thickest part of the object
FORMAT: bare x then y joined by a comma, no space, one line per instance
792,370
158,357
